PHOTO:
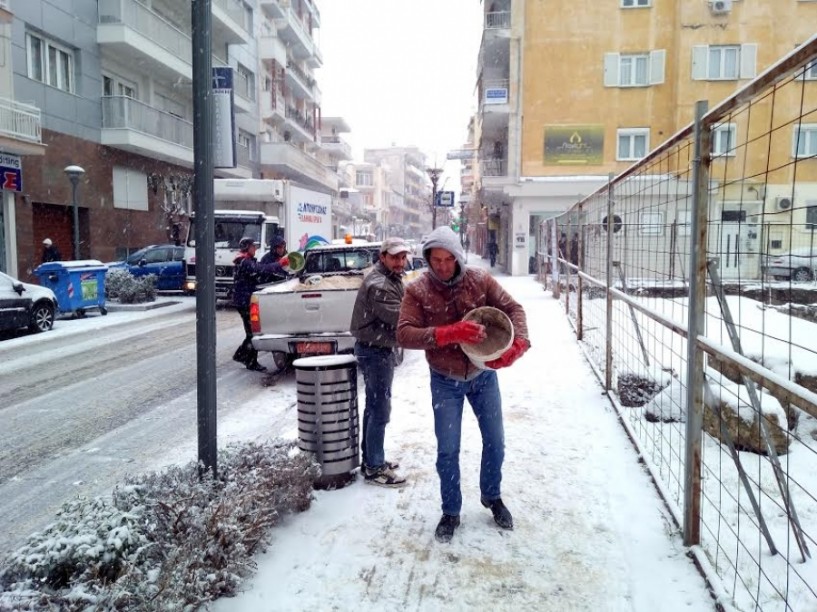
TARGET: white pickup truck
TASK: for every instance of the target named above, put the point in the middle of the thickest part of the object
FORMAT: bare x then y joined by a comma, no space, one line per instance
311,314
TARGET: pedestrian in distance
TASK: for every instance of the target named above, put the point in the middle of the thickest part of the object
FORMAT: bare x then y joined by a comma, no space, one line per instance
50,251
277,250
431,319
493,249
247,275
374,325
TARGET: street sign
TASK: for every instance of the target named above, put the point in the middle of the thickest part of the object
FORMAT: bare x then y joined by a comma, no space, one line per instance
445,199
11,172
461,154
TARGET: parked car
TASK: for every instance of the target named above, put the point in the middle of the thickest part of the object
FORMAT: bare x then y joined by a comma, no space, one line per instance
799,264
24,305
163,260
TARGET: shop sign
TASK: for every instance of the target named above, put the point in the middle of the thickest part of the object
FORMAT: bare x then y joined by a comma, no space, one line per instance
11,170
574,145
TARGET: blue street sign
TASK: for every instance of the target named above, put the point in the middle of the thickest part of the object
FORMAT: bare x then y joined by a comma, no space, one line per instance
445,199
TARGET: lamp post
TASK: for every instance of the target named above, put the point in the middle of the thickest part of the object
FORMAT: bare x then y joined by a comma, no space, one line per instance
74,173
434,175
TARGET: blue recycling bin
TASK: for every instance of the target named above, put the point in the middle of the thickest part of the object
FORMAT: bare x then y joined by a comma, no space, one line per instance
78,285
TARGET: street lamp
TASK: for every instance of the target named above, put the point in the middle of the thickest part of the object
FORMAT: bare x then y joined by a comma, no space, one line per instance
434,175
74,173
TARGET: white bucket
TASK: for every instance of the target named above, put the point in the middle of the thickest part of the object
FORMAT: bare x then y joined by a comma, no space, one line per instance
498,339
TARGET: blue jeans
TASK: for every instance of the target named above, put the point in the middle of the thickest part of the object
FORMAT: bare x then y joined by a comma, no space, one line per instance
377,366
447,398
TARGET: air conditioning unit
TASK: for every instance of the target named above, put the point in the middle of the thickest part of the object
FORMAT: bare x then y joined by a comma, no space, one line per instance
783,203
720,7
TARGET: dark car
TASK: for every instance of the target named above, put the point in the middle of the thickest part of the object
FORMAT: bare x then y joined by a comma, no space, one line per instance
24,305
165,261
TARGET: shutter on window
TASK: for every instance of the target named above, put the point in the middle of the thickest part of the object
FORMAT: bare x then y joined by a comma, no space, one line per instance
611,61
657,60
700,53
748,61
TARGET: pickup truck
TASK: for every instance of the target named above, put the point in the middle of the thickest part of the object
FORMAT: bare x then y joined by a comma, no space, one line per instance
311,313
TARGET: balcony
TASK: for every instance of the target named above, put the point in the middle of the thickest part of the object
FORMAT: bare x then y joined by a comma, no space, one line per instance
304,128
274,9
134,126
20,128
272,49
498,20
302,85
273,107
336,147
228,22
286,159
294,33
137,36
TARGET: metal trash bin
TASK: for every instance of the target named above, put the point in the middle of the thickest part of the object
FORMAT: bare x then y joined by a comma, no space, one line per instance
78,285
328,416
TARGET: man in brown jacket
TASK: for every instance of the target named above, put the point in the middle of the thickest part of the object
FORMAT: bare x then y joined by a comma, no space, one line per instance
431,320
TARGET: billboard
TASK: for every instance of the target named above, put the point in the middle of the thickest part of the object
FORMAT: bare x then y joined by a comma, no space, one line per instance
574,145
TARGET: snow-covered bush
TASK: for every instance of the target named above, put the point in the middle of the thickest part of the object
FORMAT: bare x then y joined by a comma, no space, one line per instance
123,286
165,541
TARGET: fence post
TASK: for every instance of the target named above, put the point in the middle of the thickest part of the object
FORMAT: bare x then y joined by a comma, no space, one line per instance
554,259
579,285
608,342
695,325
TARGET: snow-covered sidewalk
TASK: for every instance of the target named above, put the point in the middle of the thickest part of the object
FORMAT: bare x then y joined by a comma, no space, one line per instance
590,531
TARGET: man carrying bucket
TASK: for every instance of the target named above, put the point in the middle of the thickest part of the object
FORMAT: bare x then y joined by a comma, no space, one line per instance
277,251
431,319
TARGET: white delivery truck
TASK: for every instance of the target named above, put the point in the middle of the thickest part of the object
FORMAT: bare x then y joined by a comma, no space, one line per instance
260,208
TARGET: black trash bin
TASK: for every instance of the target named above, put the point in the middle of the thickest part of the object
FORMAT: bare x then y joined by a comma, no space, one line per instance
328,416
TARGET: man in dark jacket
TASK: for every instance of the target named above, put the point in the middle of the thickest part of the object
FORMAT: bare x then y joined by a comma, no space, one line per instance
50,252
248,274
374,324
277,250
431,319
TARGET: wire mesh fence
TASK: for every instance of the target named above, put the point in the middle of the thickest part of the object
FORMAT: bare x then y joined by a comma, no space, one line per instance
713,237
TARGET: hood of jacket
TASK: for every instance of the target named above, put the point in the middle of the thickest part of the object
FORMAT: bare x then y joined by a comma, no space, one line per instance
276,241
445,238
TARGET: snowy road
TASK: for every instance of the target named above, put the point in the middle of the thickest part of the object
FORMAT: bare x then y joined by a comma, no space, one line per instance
78,411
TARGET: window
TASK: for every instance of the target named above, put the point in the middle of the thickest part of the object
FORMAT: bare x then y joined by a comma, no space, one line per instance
634,69
364,178
247,142
811,215
245,82
723,139
116,86
130,189
724,62
652,224
50,63
804,141
634,3
810,72
633,143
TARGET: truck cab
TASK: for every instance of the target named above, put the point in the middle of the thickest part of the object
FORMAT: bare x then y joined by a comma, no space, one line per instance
230,227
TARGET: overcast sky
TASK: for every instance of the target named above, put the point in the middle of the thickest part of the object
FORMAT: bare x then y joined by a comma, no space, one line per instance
400,72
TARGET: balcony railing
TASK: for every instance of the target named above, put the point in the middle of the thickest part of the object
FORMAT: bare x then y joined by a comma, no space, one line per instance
122,112
338,144
149,24
298,117
299,72
494,167
233,9
498,20
20,121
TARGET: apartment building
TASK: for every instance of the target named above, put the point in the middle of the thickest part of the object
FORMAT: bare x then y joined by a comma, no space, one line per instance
574,90
107,85
409,208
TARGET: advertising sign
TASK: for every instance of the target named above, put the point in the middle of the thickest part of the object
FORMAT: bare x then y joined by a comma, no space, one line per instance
311,218
496,95
11,171
223,118
574,145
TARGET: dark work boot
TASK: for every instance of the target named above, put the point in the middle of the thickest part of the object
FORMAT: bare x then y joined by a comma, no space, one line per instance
256,367
445,528
502,516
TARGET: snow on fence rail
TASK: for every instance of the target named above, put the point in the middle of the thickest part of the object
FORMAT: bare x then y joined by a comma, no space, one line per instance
713,236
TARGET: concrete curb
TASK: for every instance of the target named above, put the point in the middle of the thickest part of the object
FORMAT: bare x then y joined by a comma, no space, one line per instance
117,307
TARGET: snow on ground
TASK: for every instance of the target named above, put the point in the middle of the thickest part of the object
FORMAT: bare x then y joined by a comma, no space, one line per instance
590,530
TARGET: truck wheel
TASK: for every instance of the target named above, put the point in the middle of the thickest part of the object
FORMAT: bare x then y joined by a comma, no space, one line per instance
282,360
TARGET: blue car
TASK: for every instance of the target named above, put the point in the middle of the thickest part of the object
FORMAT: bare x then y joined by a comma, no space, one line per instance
165,261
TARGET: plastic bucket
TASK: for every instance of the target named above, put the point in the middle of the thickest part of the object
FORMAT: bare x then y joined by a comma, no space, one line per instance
296,261
499,335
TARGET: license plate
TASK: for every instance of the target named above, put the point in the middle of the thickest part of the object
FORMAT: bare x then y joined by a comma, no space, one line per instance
314,348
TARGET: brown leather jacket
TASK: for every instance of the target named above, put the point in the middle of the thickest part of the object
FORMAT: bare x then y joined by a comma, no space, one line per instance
429,303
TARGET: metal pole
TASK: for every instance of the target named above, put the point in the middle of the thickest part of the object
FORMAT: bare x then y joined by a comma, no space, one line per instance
205,234
74,181
579,282
695,326
608,343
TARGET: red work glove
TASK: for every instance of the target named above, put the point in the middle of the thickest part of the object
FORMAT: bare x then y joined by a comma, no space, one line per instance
284,261
464,332
517,349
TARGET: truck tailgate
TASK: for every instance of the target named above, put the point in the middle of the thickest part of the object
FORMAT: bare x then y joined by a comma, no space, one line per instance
295,308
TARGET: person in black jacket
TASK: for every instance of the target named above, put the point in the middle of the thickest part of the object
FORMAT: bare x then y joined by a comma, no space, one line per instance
50,252
277,250
248,274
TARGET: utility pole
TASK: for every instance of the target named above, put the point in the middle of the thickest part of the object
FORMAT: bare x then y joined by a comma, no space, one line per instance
434,174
